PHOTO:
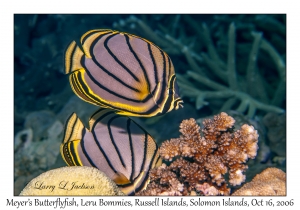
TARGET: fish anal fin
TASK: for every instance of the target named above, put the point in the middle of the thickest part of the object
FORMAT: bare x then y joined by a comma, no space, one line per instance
73,129
120,179
69,153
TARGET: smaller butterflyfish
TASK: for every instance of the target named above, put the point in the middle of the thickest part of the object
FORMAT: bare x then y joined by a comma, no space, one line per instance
114,144
123,72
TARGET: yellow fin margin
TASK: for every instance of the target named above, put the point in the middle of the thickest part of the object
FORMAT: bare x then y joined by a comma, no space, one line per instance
73,58
89,37
72,137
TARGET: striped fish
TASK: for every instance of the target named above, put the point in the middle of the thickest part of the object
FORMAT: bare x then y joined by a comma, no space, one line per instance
122,72
114,144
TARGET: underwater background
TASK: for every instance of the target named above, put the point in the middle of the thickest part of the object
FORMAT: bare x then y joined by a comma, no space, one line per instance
232,63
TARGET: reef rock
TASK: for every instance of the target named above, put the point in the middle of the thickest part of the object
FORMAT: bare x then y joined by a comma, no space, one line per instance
75,180
39,122
276,125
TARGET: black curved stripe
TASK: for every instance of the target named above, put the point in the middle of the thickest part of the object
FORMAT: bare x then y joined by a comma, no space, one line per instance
153,95
140,127
170,64
162,96
69,139
74,154
67,155
142,184
145,151
104,69
66,151
172,83
139,61
71,56
83,89
145,40
154,63
151,110
85,152
178,100
99,110
114,93
97,141
131,194
169,101
86,92
77,89
131,149
66,128
113,140
116,59
94,32
158,159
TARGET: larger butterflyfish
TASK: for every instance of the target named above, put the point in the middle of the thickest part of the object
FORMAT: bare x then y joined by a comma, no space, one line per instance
114,144
122,72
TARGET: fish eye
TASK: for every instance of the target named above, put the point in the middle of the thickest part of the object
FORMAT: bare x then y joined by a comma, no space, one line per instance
115,85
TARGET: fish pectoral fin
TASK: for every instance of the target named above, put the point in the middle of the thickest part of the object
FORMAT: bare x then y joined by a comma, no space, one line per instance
120,179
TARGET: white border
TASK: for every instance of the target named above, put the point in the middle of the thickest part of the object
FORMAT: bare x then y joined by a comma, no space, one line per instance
8,8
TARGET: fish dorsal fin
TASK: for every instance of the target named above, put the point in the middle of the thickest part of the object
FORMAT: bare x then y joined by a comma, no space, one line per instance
89,37
120,179
98,114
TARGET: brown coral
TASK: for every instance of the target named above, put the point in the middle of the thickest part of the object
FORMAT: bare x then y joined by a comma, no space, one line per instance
271,181
204,156
166,183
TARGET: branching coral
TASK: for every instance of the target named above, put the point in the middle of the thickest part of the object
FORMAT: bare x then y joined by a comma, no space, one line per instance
203,157
166,183
213,71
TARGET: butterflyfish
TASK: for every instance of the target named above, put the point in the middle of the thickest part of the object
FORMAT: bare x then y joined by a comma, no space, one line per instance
122,72
114,144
